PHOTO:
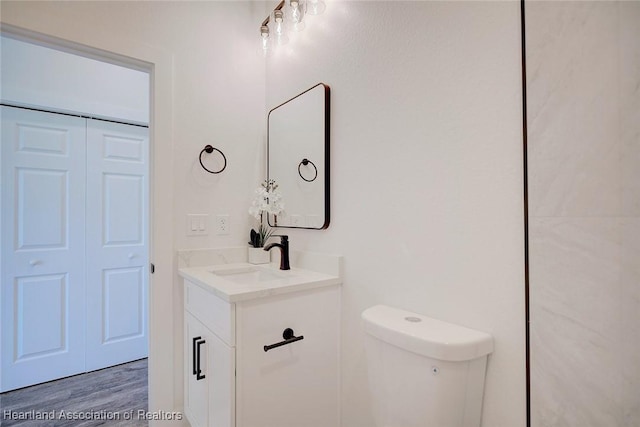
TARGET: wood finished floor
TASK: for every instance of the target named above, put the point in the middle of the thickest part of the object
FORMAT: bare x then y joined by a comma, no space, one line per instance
119,389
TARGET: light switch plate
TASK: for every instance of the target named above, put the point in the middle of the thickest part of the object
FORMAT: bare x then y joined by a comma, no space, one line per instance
197,224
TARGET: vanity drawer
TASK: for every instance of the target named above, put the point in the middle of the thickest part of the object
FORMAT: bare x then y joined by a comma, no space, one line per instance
295,384
215,313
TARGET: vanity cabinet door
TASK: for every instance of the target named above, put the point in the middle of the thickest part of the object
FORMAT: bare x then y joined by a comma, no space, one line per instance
196,390
209,396
222,382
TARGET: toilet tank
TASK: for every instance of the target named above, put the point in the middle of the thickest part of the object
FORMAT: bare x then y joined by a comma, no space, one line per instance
424,372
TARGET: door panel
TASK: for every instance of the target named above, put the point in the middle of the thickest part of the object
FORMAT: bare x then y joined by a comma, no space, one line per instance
42,139
123,198
40,319
43,221
117,230
123,304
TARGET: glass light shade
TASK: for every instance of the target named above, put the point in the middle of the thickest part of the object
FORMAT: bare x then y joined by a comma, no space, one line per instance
315,7
278,28
265,40
297,9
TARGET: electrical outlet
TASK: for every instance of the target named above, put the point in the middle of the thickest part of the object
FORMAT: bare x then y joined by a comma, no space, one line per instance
222,225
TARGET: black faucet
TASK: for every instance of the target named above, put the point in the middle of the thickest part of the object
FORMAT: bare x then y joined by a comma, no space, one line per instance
284,251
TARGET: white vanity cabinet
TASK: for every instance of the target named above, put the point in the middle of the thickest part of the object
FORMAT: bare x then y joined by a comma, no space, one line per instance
293,385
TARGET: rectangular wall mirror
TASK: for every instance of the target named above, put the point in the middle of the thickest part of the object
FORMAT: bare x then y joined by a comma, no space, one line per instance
298,158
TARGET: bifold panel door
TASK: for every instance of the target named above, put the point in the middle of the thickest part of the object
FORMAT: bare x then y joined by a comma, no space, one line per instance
43,221
74,245
117,264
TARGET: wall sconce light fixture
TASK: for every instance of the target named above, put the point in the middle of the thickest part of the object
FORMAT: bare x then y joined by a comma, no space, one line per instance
288,14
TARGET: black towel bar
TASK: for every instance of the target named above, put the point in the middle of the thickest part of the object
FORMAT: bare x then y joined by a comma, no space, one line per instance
288,336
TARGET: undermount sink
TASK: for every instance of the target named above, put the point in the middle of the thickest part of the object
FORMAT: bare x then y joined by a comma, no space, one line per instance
249,274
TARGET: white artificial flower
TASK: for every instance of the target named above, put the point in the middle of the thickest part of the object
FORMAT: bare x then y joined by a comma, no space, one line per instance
267,199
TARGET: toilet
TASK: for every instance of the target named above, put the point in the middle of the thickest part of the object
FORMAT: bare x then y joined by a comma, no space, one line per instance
424,372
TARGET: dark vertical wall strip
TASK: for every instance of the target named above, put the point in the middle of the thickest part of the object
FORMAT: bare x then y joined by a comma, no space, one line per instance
526,210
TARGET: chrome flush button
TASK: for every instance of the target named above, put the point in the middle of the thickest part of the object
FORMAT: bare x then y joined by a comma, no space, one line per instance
413,319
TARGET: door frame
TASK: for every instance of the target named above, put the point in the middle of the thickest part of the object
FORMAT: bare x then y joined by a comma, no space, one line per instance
163,393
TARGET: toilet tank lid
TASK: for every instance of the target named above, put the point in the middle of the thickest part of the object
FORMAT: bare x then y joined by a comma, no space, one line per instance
424,335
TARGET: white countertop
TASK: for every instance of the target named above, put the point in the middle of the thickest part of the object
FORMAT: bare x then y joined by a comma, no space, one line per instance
231,288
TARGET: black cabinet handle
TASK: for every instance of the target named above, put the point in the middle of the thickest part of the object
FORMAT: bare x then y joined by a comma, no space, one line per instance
288,336
198,371
193,354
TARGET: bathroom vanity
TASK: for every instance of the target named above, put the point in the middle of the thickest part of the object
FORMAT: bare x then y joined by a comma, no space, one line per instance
260,346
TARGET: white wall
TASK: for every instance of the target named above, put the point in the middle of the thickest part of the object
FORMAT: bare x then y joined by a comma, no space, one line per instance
41,77
426,158
583,63
205,90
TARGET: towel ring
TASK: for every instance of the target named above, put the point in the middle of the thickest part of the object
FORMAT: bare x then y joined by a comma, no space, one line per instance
306,162
209,149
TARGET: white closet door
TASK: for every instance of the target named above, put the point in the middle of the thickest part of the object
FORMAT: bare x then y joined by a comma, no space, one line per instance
117,243
43,220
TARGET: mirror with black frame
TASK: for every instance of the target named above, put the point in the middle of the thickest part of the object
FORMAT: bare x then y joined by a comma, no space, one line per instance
298,158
